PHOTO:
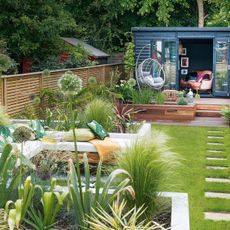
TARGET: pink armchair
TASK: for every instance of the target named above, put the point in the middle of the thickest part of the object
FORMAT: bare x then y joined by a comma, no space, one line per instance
203,81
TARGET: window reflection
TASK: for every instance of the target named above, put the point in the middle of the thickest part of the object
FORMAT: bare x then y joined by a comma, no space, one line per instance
221,66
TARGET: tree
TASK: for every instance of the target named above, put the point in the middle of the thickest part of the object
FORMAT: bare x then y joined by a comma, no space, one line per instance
200,5
105,23
33,27
220,14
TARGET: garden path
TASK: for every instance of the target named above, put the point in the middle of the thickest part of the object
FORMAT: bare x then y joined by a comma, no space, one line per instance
218,170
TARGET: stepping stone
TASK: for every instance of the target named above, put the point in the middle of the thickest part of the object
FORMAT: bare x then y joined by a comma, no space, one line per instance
215,131
215,137
217,180
215,143
216,158
214,151
216,167
217,195
217,216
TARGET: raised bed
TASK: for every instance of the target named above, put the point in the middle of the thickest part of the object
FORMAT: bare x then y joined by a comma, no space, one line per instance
32,148
163,112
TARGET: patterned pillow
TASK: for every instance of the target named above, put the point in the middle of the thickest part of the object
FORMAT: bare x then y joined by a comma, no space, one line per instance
98,130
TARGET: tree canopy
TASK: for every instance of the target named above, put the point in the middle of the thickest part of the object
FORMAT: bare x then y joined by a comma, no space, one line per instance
33,27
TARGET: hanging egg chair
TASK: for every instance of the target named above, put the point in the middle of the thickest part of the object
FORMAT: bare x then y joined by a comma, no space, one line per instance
149,72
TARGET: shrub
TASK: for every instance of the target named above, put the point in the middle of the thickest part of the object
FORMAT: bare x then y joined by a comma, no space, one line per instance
159,98
150,163
226,113
84,200
4,119
101,111
119,218
145,96
181,100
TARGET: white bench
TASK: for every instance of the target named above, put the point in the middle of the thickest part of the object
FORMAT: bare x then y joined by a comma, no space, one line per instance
32,148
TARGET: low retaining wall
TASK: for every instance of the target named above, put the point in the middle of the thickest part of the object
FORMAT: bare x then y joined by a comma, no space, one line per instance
163,112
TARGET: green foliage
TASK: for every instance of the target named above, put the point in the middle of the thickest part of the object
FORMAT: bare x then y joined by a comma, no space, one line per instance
3,222
220,15
149,162
34,27
100,111
145,96
129,59
159,98
118,218
84,200
182,100
5,63
125,89
17,214
78,57
4,119
226,114
8,178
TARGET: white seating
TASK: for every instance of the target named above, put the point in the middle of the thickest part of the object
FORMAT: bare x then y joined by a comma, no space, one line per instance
32,148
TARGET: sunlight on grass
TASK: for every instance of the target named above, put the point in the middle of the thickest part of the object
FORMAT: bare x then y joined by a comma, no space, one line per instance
191,143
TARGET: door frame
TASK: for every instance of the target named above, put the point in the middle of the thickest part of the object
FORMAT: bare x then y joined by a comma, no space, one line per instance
221,94
200,37
173,39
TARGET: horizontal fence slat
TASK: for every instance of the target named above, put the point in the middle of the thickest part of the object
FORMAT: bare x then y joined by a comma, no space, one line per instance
16,91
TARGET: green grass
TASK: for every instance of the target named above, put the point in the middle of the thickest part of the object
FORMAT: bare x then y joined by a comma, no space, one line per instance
217,163
217,187
191,144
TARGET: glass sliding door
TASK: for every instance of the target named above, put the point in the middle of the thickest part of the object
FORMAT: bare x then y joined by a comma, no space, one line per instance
165,52
170,64
221,67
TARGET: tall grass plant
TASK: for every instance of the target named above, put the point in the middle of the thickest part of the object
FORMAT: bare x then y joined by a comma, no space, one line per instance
101,111
150,164
145,96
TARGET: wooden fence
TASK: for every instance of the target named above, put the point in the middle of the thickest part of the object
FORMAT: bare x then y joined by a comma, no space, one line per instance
16,90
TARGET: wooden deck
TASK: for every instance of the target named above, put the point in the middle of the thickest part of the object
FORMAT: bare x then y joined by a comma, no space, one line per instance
210,107
207,114
213,101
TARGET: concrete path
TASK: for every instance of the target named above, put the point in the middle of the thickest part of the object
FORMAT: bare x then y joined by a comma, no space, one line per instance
212,138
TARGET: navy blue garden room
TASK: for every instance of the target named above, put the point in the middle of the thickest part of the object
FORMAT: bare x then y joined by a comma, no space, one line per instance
196,58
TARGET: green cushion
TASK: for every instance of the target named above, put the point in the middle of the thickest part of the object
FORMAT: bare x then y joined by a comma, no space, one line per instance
81,135
98,130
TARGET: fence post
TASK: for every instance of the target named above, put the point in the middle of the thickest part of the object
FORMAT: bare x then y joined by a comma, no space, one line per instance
104,73
4,92
40,82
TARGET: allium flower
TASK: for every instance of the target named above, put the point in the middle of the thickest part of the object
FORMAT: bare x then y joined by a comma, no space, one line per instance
4,119
45,72
36,100
92,80
70,84
131,82
21,134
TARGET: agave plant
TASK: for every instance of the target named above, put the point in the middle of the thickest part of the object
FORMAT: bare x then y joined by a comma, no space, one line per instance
118,218
85,199
8,180
51,201
3,222
16,215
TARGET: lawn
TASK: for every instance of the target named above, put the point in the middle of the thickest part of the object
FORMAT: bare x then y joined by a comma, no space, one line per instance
191,144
